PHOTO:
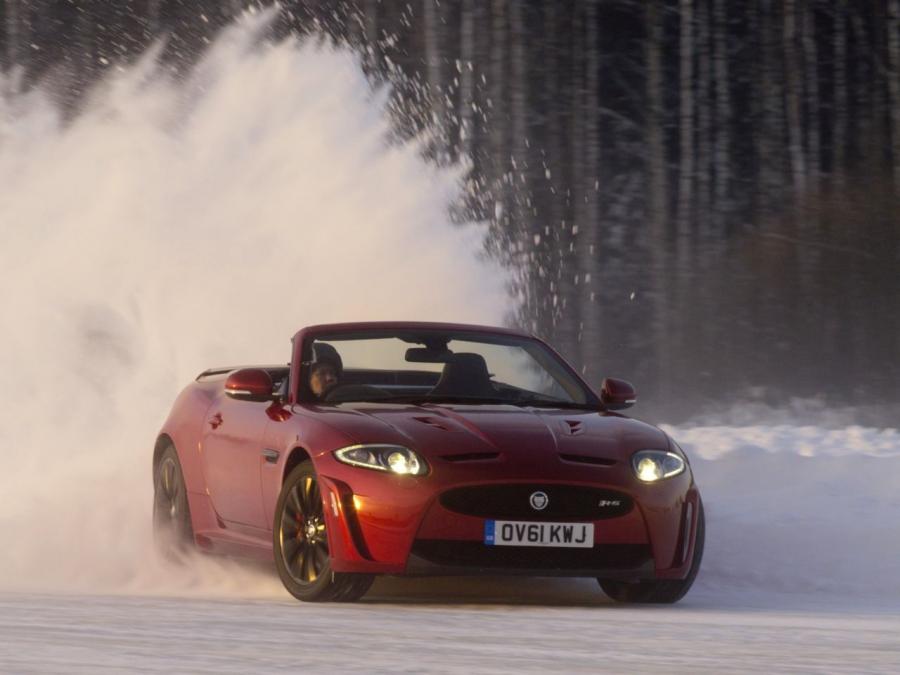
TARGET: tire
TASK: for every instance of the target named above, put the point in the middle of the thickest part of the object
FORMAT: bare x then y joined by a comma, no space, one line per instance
173,534
665,591
300,542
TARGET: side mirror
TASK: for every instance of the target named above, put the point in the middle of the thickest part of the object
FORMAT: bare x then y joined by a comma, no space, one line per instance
617,394
249,384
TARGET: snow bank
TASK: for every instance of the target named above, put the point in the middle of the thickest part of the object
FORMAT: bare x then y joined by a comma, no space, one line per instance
800,509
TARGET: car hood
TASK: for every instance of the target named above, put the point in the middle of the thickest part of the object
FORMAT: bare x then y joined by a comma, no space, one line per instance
461,430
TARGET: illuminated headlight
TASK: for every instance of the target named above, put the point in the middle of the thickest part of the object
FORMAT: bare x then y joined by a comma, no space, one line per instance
390,458
653,465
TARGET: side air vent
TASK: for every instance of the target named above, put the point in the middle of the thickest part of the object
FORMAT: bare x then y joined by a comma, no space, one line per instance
471,457
574,427
588,459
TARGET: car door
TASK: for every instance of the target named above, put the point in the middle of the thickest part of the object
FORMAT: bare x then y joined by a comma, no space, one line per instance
231,451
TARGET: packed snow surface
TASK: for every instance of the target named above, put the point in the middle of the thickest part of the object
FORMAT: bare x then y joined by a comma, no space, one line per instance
482,626
177,224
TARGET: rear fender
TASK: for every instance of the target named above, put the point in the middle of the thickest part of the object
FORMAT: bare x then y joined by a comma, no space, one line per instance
184,428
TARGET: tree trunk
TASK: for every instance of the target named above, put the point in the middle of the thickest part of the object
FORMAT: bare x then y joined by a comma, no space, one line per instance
519,90
233,9
839,115
524,222
723,109
772,137
811,63
466,77
13,30
893,77
433,76
499,151
589,241
704,125
657,170
657,161
793,96
153,18
86,27
370,24
687,167
565,305
686,125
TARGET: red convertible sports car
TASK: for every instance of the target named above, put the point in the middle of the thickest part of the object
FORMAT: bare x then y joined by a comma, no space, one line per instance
425,449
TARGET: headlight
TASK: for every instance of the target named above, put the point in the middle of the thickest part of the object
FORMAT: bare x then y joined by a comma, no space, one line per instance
653,465
390,458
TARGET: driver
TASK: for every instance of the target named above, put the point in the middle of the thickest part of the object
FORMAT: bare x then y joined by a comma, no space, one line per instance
325,369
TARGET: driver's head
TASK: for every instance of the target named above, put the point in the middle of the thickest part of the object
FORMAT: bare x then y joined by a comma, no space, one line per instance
322,378
325,369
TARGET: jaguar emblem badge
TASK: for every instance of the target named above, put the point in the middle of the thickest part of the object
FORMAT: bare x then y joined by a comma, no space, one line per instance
539,500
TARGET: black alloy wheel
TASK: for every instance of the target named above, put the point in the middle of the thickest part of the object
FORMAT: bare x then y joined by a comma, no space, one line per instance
302,554
172,530
664,591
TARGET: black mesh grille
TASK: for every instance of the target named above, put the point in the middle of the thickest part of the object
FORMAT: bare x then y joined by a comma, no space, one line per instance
477,554
514,501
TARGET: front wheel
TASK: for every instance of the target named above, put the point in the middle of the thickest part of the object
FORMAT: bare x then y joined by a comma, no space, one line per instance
302,554
664,591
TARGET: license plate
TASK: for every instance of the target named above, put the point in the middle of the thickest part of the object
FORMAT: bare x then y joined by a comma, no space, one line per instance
519,533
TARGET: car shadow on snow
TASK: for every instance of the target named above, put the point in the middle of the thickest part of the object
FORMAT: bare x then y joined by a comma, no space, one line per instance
538,591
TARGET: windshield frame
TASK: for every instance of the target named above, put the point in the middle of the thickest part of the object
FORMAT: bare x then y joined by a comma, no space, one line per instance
543,354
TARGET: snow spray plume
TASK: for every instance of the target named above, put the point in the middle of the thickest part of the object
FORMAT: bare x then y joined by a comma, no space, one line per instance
175,225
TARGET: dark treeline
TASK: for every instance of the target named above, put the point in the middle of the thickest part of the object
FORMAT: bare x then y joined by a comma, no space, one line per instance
702,196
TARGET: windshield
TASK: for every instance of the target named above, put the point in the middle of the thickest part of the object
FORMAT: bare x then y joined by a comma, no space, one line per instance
440,367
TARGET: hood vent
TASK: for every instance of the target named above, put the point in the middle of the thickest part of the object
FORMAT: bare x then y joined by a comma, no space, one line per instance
573,427
587,459
471,457
433,422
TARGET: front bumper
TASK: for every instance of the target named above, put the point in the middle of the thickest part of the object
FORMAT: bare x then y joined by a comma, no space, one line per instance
401,526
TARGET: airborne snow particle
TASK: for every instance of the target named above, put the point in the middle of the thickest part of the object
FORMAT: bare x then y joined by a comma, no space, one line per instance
631,297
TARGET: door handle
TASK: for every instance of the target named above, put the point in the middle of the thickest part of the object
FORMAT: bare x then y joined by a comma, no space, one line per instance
216,421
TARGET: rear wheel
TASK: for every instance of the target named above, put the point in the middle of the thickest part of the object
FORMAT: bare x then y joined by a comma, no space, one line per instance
172,531
664,591
302,554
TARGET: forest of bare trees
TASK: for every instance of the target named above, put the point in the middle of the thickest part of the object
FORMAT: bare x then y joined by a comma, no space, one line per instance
702,196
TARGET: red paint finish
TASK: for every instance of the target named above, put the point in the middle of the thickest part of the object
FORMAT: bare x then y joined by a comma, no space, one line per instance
374,518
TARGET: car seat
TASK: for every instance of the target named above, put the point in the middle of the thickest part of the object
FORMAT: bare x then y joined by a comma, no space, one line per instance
465,375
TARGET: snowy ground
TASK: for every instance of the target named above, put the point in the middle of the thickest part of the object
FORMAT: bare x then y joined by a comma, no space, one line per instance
802,573
425,626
